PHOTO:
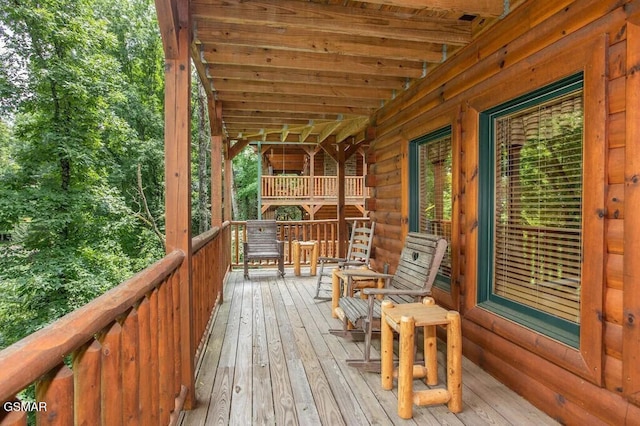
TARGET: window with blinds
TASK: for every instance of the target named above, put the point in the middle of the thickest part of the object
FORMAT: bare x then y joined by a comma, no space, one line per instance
535,227
431,182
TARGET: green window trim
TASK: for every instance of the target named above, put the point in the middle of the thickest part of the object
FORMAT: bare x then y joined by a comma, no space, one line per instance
557,328
443,282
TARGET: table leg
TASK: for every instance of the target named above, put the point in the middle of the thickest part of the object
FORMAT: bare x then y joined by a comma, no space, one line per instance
335,292
314,258
386,348
431,354
405,369
454,362
296,258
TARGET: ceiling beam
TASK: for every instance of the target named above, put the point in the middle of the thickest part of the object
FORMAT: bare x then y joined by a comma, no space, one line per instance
251,56
336,19
325,101
491,8
312,41
301,89
331,77
256,105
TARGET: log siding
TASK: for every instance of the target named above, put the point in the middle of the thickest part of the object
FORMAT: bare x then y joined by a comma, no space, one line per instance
537,44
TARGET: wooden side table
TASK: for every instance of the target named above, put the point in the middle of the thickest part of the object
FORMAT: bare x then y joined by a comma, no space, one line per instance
403,319
312,249
362,277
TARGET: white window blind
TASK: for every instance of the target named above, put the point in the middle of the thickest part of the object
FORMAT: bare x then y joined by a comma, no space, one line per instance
538,203
435,193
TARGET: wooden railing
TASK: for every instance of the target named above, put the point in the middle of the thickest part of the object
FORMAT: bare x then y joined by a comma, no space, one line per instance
323,231
310,188
210,263
117,359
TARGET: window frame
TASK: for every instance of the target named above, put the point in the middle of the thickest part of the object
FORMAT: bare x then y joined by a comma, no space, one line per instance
544,323
442,282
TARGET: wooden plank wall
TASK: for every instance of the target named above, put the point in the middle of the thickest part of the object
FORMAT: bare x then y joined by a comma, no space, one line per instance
538,43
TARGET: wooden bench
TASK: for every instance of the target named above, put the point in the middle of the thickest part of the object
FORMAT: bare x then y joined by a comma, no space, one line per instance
416,272
263,244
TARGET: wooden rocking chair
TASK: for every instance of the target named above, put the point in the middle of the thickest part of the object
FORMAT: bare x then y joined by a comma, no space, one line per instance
412,281
263,244
358,255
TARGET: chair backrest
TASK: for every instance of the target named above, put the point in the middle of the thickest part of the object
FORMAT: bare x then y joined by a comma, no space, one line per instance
262,236
419,262
361,242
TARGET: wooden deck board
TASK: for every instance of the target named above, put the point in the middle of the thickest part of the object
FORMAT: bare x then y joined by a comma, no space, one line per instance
271,360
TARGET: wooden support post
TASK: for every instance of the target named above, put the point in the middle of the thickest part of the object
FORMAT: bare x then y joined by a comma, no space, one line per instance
178,186
631,300
227,188
215,122
342,224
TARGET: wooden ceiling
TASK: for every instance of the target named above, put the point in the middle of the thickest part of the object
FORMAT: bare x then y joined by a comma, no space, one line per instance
315,71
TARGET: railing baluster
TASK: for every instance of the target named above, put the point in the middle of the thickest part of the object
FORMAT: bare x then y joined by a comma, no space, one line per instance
130,369
155,362
174,336
164,355
86,376
110,375
145,406
56,391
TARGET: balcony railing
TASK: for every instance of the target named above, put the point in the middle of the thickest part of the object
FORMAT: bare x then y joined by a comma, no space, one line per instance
323,231
319,188
118,359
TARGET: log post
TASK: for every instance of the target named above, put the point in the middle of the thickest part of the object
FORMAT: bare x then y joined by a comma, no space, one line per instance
178,181
215,122
342,224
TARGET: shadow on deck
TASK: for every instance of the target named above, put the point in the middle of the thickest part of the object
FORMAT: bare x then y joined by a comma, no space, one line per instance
271,360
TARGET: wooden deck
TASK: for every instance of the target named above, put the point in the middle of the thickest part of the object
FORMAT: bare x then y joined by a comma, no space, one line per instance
271,360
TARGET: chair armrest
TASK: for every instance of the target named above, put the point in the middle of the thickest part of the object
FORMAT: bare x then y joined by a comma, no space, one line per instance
351,263
331,259
365,273
394,291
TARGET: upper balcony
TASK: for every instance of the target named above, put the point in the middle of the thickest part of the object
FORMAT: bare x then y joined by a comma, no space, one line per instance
292,190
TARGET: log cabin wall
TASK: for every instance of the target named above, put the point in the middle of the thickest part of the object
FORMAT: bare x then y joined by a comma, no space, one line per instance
539,43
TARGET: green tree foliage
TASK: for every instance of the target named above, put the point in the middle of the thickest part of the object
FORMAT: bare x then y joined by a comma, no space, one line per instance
245,179
84,98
